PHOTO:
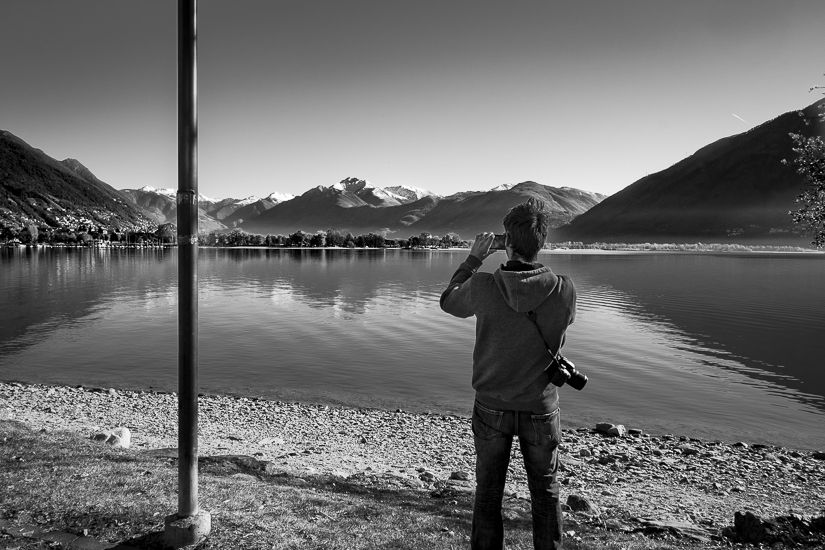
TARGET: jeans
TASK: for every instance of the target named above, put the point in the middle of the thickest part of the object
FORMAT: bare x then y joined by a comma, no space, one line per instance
539,437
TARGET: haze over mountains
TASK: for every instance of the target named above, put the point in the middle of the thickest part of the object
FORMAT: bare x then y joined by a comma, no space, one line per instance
733,190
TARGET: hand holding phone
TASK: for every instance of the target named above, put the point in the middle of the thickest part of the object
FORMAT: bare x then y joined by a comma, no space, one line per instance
498,242
481,246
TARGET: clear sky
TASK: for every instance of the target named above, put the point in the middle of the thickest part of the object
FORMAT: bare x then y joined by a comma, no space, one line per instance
446,95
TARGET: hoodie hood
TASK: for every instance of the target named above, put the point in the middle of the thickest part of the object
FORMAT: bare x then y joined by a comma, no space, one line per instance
526,290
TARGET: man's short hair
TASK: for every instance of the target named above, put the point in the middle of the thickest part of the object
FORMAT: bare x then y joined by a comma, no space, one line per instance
527,225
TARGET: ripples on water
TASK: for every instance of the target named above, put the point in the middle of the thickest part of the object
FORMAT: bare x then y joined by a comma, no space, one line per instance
724,346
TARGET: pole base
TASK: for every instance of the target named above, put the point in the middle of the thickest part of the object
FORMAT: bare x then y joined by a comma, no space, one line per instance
180,532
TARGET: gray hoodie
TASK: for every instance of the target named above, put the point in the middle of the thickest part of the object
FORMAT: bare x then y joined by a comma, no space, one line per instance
510,355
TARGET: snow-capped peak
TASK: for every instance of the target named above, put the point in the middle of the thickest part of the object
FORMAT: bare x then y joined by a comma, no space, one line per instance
280,197
353,185
166,192
407,193
207,199
172,193
503,187
248,200
387,196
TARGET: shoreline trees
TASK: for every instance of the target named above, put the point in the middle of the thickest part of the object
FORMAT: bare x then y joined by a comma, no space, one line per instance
330,238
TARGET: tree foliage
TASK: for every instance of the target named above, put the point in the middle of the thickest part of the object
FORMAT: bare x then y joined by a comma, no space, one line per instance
810,162
167,233
30,234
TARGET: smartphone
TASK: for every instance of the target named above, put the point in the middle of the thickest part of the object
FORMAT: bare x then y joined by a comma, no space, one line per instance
498,242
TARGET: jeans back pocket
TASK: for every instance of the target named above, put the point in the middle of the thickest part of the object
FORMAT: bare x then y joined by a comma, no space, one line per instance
487,422
547,428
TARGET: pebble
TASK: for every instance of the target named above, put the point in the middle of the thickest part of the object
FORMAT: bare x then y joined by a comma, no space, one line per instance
688,450
578,503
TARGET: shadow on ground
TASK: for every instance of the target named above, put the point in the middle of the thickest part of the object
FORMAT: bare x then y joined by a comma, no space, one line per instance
57,481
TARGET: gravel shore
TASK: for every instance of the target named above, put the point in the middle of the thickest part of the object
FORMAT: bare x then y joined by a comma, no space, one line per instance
630,480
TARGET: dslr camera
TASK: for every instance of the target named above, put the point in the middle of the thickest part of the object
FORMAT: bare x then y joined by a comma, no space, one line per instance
566,373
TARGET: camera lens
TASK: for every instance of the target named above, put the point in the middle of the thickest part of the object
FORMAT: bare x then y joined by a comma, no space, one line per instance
577,380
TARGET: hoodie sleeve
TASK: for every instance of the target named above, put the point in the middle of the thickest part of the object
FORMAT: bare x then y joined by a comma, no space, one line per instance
457,297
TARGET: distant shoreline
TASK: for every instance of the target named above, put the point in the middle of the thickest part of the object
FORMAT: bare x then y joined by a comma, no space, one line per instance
595,248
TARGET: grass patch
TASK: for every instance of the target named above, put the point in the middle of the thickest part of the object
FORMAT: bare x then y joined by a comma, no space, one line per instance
61,481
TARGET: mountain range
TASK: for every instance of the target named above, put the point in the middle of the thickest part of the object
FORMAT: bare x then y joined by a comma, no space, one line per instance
213,214
733,190
36,189
359,207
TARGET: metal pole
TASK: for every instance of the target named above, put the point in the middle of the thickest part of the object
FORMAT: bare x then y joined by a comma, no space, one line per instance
189,525
187,200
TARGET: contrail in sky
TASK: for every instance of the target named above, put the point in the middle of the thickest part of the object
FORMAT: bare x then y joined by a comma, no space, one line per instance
740,118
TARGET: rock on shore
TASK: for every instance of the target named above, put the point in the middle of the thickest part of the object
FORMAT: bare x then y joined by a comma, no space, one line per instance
633,480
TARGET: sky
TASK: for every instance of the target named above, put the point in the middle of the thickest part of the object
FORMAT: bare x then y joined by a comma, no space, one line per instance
444,95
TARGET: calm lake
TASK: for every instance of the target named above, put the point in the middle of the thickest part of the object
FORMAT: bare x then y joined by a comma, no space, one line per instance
723,346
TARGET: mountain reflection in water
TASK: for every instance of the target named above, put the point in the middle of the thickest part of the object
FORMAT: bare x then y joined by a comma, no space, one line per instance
712,345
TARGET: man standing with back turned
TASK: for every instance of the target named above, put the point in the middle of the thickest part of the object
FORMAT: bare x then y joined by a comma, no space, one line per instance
521,310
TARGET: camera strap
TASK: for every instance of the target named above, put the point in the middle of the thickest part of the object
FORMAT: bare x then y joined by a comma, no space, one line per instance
533,317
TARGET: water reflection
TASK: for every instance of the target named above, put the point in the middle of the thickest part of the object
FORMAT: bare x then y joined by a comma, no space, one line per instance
346,282
707,342
45,289
757,315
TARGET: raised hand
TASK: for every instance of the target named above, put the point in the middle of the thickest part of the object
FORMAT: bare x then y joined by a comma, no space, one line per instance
481,246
